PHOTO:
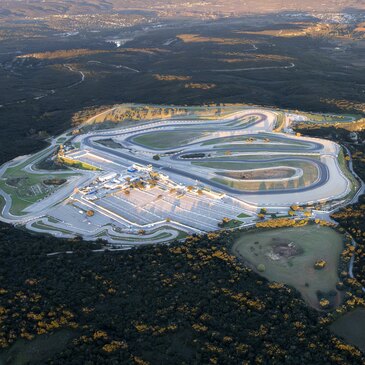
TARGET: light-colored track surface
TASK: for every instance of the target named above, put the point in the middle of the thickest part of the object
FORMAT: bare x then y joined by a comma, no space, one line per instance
196,153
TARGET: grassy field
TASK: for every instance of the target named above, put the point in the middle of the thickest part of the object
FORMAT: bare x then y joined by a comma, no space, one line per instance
255,164
243,215
78,164
164,140
26,188
310,174
279,122
29,192
313,243
270,147
327,118
2,203
259,138
344,168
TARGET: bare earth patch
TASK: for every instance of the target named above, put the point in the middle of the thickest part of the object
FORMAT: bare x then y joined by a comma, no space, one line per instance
260,174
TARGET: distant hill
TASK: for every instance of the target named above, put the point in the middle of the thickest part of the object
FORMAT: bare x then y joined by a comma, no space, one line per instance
39,8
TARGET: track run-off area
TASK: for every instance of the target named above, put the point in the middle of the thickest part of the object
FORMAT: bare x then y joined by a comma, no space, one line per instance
161,180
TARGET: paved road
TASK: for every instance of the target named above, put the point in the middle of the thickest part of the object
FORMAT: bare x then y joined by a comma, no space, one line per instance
322,168
323,171
263,123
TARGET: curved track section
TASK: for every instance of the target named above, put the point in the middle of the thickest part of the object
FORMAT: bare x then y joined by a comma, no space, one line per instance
170,178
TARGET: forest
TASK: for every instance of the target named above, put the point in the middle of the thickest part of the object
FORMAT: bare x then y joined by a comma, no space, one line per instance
190,303
350,218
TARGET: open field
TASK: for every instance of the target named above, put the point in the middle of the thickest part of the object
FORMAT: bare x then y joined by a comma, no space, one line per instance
164,140
263,138
307,173
27,188
288,255
264,174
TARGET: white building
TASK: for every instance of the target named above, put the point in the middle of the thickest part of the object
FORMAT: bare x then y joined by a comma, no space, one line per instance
107,177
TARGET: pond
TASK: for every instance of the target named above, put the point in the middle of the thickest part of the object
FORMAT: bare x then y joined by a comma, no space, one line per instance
290,255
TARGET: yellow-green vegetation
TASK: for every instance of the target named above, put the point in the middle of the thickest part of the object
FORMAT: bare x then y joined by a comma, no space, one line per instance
196,38
280,122
69,53
229,223
138,113
77,164
128,114
282,222
320,264
242,57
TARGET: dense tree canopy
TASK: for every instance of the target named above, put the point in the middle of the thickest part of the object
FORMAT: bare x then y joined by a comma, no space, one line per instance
189,303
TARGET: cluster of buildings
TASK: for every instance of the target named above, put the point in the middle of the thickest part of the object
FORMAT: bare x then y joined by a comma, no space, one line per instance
135,175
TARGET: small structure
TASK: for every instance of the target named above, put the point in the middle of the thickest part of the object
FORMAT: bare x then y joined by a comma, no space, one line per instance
107,177
132,169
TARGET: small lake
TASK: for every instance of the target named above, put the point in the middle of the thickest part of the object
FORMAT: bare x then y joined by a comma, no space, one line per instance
351,327
288,255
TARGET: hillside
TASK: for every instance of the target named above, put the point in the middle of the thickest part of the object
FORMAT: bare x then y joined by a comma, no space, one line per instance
39,8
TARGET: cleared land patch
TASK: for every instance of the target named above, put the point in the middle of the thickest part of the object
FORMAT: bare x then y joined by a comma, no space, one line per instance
264,174
163,140
309,176
288,255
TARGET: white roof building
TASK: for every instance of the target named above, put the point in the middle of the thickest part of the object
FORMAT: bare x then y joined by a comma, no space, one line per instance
108,176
